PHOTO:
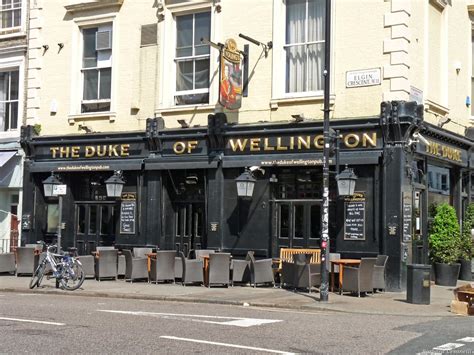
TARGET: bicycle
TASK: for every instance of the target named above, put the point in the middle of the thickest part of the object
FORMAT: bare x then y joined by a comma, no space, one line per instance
67,270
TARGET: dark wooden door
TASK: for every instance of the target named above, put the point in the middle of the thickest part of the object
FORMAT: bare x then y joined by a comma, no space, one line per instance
95,225
298,223
189,226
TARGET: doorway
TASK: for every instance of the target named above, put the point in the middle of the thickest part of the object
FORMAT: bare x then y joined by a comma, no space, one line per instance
94,225
189,226
298,223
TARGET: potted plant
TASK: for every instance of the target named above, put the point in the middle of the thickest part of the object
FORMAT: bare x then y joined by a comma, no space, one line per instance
444,241
465,245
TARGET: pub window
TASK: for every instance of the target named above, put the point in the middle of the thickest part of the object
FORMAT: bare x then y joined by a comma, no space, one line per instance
439,187
81,219
52,212
93,219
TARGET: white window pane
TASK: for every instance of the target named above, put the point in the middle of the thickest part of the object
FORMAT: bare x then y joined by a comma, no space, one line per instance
295,64
89,52
14,115
192,99
316,17
184,76
201,49
2,116
14,81
295,21
7,20
17,18
202,74
184,30
4,77
315,67
202,29
90,84
105,83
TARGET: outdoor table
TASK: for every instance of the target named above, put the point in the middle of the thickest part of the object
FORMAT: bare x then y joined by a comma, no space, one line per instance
149,257
341,263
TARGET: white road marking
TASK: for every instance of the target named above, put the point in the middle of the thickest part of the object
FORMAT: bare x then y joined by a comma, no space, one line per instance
448,346
31,321
467,340
233,321
226,344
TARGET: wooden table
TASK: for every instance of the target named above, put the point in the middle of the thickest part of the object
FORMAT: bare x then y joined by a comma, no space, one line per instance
341,263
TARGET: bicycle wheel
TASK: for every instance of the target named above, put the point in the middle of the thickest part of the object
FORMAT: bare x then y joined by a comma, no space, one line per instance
72,276
37,276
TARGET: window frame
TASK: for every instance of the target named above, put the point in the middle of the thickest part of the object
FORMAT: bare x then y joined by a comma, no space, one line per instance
279,81
9,101
18,30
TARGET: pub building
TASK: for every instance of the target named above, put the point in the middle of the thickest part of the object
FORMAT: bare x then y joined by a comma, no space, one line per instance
180,188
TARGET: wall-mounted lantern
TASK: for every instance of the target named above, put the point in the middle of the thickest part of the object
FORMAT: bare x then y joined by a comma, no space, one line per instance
115,184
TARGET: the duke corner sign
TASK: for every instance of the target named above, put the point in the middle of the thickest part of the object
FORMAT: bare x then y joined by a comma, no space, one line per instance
230,83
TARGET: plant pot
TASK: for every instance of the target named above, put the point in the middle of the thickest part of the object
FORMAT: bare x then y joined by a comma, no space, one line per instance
446,274
465,273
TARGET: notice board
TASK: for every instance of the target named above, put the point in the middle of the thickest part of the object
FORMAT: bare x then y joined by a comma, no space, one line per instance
127,217
354,217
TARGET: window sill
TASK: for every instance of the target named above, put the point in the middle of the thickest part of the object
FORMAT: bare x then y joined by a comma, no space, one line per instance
83,5
285,101
12,33
185,109
111,116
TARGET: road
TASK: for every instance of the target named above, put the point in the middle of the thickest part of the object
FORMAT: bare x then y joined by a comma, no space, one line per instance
35,323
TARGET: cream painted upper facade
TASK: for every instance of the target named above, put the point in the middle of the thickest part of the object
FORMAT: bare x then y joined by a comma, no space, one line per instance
421,48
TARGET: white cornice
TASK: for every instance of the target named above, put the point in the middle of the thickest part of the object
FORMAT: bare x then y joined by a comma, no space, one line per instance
76,6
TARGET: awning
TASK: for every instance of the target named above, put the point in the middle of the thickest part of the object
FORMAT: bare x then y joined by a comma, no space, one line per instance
5,157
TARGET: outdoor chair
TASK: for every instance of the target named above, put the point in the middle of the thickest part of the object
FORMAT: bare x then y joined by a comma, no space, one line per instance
162,268
178,267
359,279
135,268
106,264
121,265
333,256
7,263
192,270
378,277
26,260
203,252
260,270
240,270
301,273
88,265
141,252
219,269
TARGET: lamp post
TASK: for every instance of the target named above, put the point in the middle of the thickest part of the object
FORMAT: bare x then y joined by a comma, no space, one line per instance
324,291
53,187
114,184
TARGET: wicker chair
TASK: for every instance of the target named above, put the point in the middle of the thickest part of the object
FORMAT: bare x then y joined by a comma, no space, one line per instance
192,270
135,268
359,279
7,263
219,269
26,260
106,264
141,252
301,273
162,268
260,270
378,277
240,270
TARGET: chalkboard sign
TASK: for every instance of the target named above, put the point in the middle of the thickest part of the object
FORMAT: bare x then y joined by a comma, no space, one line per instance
354,217
127,217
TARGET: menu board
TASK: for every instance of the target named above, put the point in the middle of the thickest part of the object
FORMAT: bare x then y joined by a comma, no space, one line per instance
127,217
354,217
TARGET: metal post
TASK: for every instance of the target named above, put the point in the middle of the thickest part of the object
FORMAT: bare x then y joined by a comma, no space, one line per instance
324,290
60,217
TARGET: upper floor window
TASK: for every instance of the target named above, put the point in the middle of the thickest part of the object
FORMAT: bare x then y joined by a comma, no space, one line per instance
9,84
192,59
304,45
96,68
11,13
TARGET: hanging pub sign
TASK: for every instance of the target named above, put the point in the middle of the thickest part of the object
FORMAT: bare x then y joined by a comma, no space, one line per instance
230,83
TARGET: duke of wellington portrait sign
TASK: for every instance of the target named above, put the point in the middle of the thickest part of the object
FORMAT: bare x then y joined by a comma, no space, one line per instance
230,83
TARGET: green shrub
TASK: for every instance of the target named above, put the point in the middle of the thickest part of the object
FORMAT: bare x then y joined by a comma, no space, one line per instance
444,239
465,244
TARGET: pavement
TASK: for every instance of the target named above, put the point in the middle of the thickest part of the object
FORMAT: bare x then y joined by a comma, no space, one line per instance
384,303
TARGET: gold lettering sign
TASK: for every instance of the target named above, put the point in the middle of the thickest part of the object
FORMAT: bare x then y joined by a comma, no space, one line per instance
443,151
90,151
184,147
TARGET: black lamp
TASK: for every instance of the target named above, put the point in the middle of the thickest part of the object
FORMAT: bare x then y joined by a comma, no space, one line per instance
115,184
245,184
346,181
48,185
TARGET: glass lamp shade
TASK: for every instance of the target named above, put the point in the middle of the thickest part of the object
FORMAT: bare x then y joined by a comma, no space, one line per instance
346,182
245,184
114,185
48,185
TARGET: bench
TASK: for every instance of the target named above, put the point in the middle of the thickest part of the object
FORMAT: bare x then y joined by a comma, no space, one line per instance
286,254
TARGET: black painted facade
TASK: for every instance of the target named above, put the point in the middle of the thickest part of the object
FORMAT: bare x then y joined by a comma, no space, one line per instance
183,185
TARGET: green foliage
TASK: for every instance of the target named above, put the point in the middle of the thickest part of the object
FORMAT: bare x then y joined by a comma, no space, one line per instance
37,129
465,244
444,239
